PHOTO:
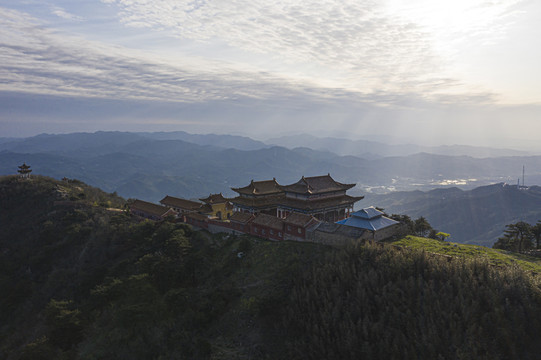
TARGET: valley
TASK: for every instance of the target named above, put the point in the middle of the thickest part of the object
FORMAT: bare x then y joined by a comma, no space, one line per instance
149,166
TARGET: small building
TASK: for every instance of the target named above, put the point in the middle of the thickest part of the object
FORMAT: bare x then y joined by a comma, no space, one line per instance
373,220
296,225
24,171
182,206
150,210
217,206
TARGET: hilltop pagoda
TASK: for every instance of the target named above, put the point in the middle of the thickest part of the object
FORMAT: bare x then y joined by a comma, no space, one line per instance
24,171
319,196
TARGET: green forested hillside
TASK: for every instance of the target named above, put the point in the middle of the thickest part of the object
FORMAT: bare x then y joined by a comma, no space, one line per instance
81,280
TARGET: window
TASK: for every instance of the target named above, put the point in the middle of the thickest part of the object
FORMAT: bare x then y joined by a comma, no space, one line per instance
299,230
288,228
279,234
255,229
271,232
262,231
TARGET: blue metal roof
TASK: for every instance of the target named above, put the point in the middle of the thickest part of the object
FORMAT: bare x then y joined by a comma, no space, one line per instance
368,218
367,213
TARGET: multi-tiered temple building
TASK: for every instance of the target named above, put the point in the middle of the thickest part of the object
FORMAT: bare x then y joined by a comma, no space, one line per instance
319,196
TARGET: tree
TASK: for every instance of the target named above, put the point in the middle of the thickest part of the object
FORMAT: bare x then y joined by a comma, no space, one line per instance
442,236
409,225
422,226
65,328
536,233
517,237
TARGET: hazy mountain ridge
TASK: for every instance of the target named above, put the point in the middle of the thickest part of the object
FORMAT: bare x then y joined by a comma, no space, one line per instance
223,141
373,149
119,161
112,141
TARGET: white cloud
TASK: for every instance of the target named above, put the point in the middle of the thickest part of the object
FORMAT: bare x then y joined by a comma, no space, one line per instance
353,38
35,59
62,13
362,44
386,73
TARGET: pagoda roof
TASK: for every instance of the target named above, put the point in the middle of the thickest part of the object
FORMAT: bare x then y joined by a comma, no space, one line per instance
24,169
265,187
214,199
368,213
258,202
368,218
151,208
180,203
316,185
268,221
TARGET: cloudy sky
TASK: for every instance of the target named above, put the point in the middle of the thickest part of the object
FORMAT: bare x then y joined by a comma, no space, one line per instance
431,71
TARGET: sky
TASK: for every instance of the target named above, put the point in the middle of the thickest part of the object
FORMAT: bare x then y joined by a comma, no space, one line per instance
418,71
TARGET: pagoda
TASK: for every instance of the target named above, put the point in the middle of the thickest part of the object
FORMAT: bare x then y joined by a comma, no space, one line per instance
258,197
319,196
24,171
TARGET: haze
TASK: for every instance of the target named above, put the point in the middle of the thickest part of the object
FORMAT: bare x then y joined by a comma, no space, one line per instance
454,72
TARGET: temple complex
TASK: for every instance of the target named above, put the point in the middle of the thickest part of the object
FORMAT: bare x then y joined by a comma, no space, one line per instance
319,196
315,209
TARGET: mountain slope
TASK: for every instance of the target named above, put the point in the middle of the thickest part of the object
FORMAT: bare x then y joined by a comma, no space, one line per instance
83,281
477,216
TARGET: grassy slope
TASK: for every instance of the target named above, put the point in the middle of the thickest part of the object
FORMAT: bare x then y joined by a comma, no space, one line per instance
493,256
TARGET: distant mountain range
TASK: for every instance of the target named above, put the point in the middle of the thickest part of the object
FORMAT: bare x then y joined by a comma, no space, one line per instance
373,149
476,216
149,166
